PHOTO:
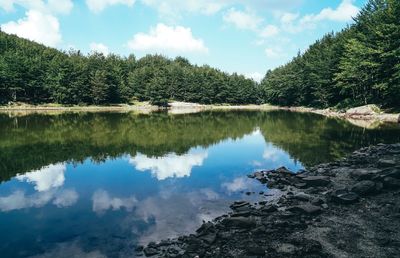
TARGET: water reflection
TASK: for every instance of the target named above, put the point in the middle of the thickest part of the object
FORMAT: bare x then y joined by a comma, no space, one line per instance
170,165
51,176
96,185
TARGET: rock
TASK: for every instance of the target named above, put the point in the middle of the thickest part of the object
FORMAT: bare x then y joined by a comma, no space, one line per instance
365,173
344,197
364,187
302,196
391,183
316,180
305,209
363,110
150,251
384,163
286,248
239,222
209,238
269,208
255,250
206,227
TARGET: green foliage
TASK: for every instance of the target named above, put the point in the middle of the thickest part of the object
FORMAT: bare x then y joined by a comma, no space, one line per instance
33,73
360,65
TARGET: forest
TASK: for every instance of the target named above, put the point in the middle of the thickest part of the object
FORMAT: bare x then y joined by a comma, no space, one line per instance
33,73
359,65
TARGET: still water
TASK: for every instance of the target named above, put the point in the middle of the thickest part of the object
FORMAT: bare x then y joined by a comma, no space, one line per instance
99,184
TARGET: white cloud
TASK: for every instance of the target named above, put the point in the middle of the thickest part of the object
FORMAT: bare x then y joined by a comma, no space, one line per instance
256,76
273,52
97,6
243,20
171,165
18,200
269,31
66,198
49,6
102,202
238,184
100,48
173,8
36,26
46,178
343,13
288,18
166,39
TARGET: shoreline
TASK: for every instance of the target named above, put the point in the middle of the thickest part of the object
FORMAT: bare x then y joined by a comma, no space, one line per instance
344,208
367,119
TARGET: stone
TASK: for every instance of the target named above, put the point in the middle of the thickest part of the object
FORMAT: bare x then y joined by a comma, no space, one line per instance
343,197
365,173
364,187
269,208
150,251
363,110
305,209
255,250
391,183
209,238
302,196
286,248
384,163
317,180
239,222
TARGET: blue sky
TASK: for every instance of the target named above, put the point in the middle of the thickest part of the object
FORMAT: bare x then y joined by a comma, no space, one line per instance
244,36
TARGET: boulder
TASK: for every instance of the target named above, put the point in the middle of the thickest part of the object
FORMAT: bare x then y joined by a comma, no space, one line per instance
239,222
384,163
308,209
344,197
316,180
365,173
391,183
363,110
150,251
364,187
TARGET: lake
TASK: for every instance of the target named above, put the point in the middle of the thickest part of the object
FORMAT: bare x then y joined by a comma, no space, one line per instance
99,184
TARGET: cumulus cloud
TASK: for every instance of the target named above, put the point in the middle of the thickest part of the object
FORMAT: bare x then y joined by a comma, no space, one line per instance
238,184
46,178
165,39
273,52
256,76
37,26
102,202
49,6
343,13
269,31
97,6
100,48
18,200
173,8
65,198
242,20
170,165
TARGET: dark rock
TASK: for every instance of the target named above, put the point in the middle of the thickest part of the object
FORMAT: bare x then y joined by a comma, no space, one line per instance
344,197
365,173
305,209
364,187
255,250
391,183
269,208
206,227
317,180
209,238
150,251
384,163
239,222
302,196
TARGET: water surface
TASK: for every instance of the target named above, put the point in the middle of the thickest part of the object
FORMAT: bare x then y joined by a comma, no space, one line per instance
98,184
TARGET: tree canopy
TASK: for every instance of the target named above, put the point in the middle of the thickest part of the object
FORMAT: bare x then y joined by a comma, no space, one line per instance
359,65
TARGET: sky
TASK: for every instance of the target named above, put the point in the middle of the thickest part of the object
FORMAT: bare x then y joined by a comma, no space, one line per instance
244,36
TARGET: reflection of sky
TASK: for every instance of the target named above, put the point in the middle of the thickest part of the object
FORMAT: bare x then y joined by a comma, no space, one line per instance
92,208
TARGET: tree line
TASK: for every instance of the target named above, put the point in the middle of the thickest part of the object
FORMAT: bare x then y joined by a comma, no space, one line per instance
33,73
359,65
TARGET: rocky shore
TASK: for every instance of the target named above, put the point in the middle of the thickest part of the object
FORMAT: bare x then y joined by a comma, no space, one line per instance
348,208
